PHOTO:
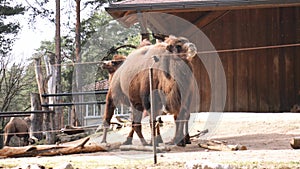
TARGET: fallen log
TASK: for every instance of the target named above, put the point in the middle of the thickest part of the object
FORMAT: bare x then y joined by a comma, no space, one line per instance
52,150
63,138
144,148
221,146
295,143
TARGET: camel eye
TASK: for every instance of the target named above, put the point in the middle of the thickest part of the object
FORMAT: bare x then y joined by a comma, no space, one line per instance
179,48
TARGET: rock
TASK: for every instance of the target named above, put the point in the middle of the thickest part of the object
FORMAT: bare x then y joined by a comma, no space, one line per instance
65,166
295,108
206,165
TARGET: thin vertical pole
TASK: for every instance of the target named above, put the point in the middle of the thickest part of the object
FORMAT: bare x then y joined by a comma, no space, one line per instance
152,121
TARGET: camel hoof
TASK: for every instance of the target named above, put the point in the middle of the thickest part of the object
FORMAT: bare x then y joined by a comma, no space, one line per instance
181,143
159,139
128,141
187,139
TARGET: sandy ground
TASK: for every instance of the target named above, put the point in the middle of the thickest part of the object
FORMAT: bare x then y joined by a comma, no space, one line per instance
266,135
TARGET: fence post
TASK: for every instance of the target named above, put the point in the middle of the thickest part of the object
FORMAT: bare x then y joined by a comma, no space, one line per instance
36,119
1,131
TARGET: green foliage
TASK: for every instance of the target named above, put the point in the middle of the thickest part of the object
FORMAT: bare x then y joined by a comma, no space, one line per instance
38,9
21,101
99,34
8,27
13,82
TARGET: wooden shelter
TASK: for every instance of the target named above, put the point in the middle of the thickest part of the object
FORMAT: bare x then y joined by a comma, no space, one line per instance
257,42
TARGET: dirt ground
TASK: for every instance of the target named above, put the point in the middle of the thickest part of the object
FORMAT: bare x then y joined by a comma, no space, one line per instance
266,136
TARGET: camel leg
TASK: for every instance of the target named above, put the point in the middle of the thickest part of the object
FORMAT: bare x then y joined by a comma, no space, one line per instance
157,106
109,112
137,126
187,139
7,138
129,137
26,139
158,137
179,136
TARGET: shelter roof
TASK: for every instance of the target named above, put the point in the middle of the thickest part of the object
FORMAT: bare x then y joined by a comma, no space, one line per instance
124,8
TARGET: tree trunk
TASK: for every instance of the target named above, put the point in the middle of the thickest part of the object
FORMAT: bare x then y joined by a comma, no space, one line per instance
78,79
36,118
51,72
58,110
42,86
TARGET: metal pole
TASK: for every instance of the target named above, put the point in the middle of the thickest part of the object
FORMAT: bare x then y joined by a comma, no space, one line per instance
152,120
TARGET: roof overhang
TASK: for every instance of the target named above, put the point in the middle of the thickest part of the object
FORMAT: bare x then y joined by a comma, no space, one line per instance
118,10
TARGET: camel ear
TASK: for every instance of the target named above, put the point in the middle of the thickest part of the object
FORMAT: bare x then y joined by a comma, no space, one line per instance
191,50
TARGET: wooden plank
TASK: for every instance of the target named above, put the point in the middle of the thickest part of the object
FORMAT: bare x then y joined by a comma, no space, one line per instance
214,67
231,71
201,66
200,74
224,27
297,58
216,76
273,57
261,61
288,31
252,61
210,67
230,85
204,87
241,80
218,85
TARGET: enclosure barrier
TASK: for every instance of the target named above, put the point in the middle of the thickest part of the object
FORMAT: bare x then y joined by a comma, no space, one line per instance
74,94
22,113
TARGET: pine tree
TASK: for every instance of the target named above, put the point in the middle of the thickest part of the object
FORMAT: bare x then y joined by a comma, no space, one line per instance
8,27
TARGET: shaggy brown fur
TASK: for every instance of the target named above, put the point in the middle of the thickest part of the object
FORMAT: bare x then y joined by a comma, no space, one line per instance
171,82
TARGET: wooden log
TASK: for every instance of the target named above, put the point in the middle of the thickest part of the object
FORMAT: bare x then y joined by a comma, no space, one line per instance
70,130
64,138
221,146
295,143
143,148
51,150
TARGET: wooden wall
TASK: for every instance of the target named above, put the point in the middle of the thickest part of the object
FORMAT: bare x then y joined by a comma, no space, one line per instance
262,80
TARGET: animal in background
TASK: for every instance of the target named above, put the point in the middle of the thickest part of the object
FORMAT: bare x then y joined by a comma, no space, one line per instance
16,127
